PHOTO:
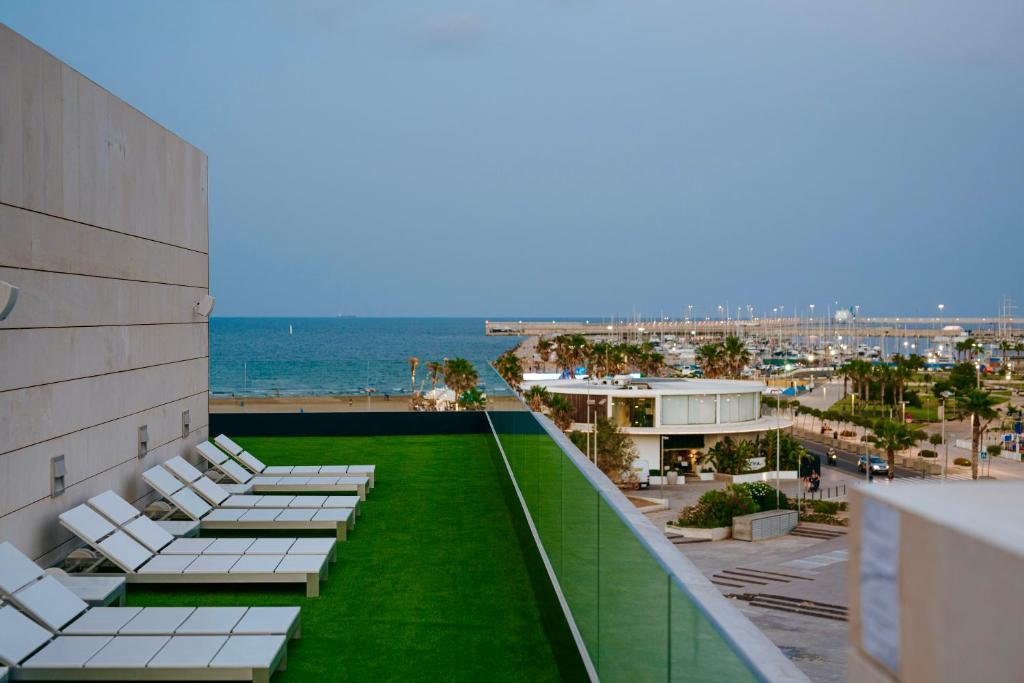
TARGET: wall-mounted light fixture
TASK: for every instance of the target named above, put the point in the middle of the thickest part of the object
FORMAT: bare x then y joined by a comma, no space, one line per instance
204,306
186,424
143,440
8,297
57,474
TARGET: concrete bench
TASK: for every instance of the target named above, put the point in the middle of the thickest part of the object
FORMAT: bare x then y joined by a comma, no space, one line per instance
763,525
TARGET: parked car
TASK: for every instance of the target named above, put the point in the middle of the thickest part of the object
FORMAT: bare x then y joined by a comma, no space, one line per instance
878,466
642,473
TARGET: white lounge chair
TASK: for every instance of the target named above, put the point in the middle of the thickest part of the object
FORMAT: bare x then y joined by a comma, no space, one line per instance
224,465
148,554
257,466
37,653
220,496
174,490
48,601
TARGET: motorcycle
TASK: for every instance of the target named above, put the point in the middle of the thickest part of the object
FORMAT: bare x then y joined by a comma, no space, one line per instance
832,458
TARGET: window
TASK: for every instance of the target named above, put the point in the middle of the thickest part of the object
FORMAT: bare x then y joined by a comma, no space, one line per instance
688,410
633,412
739,407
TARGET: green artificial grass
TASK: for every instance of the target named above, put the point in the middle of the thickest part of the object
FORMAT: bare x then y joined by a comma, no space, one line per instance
433,582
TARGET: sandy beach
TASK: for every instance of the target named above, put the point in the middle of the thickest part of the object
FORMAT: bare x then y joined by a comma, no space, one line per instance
330,404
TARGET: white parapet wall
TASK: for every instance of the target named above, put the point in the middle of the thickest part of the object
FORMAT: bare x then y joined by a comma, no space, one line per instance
935,583
104,229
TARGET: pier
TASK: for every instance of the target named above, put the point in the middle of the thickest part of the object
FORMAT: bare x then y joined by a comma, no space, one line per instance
984,329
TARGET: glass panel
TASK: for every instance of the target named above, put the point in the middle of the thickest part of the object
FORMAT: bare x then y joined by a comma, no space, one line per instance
634,606
675,410
635,620
699,653
633,412
702,409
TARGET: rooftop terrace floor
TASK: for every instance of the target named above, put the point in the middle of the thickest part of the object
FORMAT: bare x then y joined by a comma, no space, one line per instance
432,584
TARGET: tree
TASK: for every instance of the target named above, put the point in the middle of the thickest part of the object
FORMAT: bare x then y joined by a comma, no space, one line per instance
735,355
544,347
710,359
510,369
571,352
473,399
792,454
536,397
561,411
980,405
963,378
460,376
891,436
615,450
731,457
413,364
436,370
935,439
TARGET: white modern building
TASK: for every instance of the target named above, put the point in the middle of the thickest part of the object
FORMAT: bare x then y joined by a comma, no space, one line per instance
670,418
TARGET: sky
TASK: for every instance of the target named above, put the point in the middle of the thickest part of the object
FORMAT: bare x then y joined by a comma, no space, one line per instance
546,158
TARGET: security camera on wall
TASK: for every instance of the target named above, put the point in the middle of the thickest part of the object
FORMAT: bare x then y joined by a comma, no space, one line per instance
204,306
8,297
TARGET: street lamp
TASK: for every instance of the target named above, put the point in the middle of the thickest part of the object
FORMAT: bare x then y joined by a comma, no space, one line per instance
945,462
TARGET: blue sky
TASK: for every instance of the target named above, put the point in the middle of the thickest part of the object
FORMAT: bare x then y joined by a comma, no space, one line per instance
556,158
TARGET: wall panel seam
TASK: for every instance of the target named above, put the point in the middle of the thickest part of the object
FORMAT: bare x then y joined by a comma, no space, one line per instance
79,327
105,374
104,277
98,424
117,232
104,471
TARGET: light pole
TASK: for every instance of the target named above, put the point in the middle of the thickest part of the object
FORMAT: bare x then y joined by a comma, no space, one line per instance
945,462
778,449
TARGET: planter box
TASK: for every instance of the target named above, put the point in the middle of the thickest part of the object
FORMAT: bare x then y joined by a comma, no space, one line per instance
718,533
755,476
706,476
656,481
763,525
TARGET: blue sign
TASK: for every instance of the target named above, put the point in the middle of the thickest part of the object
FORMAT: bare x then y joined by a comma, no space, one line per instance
984,455
1017,427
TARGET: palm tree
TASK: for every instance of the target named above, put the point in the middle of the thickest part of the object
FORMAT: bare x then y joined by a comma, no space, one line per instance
651,363
510,369
436,370
966,347
892,436
473,399
571,352
535,397
710,360
900,374
544,347
980,405
413,364
736,356
561,411
460,376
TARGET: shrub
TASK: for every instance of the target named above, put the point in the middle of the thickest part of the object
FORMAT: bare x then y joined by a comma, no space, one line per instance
717,508
819,518
994,451
824,507
935,439
764,496
925,453
963,462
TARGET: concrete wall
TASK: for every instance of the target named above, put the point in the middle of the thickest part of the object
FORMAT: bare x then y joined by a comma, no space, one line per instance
935,583
103,227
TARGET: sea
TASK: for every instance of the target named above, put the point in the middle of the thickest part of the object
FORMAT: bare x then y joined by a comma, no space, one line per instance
344,355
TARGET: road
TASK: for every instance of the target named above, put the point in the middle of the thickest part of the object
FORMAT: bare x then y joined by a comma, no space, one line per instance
847,461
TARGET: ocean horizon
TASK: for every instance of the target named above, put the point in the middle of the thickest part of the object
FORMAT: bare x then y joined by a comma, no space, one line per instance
343,355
